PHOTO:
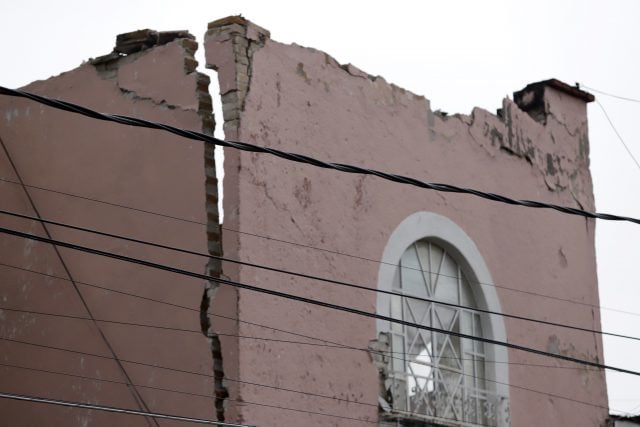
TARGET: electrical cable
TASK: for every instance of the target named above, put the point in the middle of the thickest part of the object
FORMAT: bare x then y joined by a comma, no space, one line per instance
104,380
571,301
476,282
160,327
624,144
624,98
310,300
184,371
191,394
116,205
308,276
314,248
212,397
327,343
275,340
300,158
307,393
339,346
92,406
182,307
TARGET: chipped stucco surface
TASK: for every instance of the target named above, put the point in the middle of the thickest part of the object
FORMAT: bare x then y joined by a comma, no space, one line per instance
301,100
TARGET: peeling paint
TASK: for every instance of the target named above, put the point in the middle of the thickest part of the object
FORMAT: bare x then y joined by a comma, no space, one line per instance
356,119
300,71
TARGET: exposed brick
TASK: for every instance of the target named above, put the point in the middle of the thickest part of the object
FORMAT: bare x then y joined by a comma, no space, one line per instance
190,65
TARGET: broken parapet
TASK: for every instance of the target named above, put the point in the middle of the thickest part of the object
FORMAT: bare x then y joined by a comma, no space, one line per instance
558,146
546,126
136,41
540,99
301,100
134,46
230,44
139,40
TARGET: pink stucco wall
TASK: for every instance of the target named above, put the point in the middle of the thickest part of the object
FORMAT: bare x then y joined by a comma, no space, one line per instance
301,100
284,215
143,169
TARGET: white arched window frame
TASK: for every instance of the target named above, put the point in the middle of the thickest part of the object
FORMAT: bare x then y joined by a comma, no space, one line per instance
441,231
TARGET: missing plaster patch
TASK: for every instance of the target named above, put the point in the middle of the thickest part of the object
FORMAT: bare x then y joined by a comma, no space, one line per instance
379,352
302,73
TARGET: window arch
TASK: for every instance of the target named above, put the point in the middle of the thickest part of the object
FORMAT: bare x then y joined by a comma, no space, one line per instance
434,378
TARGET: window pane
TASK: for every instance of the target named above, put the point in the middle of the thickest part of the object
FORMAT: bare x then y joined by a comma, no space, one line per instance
446,288
416,311
411,279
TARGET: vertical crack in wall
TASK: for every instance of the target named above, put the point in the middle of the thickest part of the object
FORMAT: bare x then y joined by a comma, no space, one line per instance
214,243
235,42
128,48
213,268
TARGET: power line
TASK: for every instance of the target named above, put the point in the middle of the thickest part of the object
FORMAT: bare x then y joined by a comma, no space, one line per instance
336,344
114,322
624,144
166,328
66,374
270,406
387,353
81,405
162,215
493,285
212,397
274,387
116,205
312,394
279,388
300,158
327,343
184,371
624,98
308,276
309,300
311,247
190,393
188,372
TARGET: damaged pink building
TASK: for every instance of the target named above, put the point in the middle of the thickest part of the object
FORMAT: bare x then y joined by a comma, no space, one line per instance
83,328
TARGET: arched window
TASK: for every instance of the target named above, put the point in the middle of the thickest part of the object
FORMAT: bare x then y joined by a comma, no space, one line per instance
435,378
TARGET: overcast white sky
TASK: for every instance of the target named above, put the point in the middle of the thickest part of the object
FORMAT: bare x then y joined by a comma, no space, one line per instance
459,54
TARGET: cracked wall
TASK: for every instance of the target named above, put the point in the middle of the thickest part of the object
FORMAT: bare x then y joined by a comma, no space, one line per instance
299,99
149,75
